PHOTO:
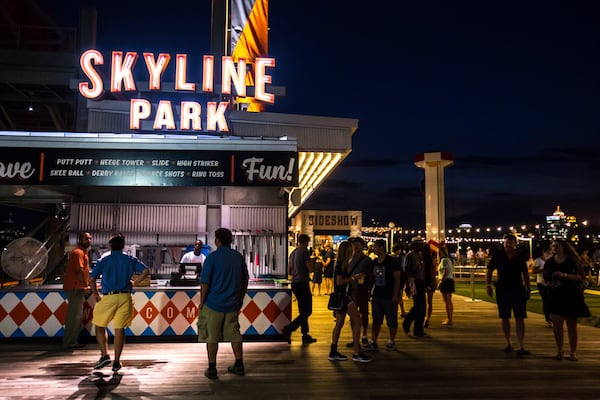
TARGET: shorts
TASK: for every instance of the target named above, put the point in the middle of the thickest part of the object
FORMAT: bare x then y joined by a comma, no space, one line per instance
384,307
511,301
215,326
447,286
117,308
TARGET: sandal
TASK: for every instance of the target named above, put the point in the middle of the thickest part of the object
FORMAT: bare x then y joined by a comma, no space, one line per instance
558,356
572,357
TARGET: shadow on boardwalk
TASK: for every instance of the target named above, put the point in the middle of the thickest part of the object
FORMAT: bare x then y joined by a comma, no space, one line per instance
464,361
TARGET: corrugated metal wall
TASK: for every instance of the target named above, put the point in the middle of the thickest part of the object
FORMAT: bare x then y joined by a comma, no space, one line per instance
258,218
143,224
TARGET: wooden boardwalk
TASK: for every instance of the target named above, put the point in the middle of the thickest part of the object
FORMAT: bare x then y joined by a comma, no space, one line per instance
465,361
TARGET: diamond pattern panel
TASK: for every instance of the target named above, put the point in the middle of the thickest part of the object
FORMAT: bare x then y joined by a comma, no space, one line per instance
42,313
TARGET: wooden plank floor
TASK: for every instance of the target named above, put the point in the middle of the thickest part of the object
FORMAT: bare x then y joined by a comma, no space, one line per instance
464,361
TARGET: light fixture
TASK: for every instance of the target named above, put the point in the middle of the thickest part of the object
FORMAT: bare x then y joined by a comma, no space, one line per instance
30,108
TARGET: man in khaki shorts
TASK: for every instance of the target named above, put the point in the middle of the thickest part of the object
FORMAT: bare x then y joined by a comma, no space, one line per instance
223,284
115,304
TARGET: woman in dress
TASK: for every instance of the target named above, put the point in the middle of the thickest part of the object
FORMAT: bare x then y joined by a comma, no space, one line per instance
446,285
317,277
566,303
342,278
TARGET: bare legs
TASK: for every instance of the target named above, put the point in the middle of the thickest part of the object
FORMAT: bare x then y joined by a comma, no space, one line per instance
520,327
213,348
355,322
429,307
119,342
520,330
449,308
506,331
557,322
102,339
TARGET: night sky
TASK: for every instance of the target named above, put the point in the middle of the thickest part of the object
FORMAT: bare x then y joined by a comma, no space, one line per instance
510,88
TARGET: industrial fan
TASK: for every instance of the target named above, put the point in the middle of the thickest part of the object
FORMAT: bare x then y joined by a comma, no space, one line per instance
24,258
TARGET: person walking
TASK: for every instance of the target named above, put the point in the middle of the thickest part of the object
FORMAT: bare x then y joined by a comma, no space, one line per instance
76,286
361,289
542,285
387,274
512,290
566,303
343,278
417,277
299,267
223,285
446,282
430,284
317,278
328,265
397,252
115,304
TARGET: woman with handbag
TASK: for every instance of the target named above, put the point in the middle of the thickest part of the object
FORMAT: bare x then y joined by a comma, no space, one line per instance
342,278
566,302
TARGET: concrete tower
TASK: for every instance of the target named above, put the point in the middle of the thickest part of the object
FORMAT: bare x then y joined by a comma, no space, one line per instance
435,210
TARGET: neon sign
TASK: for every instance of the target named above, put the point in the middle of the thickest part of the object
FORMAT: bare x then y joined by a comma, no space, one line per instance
122,79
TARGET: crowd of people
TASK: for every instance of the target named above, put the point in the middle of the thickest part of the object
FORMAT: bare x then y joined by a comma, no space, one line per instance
371,287
374,283
223,284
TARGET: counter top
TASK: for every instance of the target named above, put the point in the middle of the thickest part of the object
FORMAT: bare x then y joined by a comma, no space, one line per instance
252,285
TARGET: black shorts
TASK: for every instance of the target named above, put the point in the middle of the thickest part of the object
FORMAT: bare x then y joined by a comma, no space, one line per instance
512,301
447,286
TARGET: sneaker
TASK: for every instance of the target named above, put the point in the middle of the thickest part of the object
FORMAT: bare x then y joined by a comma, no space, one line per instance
335,356
116,366
350,344
548,324
361,357
364,340
238,370
307,339
211,373
102,362
390,346
371,346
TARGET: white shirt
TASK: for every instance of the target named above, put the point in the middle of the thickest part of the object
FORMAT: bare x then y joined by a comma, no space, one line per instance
190,257
445,264
539,263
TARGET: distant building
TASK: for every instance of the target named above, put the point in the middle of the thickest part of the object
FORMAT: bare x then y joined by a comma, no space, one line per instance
559,225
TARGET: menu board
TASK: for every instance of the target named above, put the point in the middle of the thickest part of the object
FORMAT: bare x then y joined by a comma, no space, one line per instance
110,167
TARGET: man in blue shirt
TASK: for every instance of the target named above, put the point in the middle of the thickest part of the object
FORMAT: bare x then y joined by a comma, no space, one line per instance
223,285
115,304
